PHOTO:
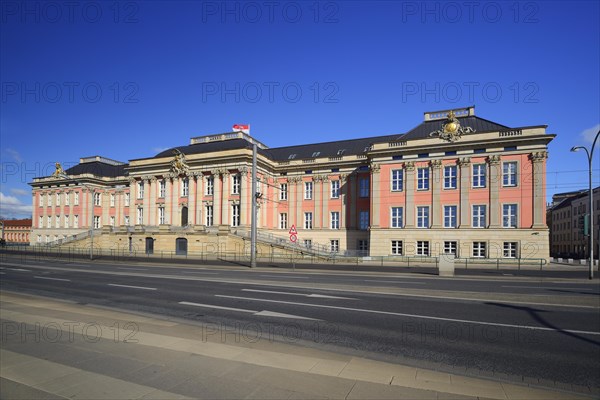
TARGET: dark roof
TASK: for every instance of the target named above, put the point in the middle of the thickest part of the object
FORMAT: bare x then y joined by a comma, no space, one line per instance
327,149
207,147
423,130
17,222
98,168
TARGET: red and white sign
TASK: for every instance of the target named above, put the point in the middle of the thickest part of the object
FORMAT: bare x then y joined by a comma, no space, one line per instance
241,128
293,234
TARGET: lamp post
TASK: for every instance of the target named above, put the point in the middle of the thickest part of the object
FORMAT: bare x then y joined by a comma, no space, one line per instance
590,155
91,190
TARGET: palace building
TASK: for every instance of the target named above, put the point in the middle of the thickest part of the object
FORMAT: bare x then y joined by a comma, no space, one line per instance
456,183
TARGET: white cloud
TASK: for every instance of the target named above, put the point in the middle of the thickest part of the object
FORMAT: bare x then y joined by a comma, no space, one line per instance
20,192
14,154
11,207
589,134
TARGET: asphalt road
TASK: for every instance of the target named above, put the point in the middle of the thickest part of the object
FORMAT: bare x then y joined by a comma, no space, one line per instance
544,330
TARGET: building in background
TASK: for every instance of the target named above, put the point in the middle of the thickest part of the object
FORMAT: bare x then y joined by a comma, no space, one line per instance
565,219
16,230
456,184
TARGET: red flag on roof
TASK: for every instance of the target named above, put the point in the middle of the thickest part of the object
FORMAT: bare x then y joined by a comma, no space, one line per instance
241,128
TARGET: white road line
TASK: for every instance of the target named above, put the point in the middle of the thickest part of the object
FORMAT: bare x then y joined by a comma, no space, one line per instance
263,313
132,287
199,272
52,279
392,281
133,269
283,276
545,287
2,273
20,269
412,315
320,296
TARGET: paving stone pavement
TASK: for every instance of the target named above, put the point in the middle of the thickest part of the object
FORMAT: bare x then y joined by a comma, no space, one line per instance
61,350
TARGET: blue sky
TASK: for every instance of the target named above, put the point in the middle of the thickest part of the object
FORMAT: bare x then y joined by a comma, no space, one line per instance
128,79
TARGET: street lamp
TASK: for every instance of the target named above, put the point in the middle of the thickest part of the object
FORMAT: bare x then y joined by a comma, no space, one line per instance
590,155
91,190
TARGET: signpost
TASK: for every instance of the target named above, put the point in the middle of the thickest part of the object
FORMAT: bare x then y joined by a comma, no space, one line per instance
293,238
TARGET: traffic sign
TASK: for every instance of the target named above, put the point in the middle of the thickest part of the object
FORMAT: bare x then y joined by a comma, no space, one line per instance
293,238
293,230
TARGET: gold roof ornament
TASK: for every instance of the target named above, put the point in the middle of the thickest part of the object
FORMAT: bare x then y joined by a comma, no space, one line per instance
59,171
451,130
179,164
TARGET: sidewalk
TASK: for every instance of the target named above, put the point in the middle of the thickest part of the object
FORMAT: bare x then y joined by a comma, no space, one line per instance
54,349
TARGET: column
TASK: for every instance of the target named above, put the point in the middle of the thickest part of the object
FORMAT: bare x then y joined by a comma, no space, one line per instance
62,211
353,199
436,184
375,195
493,184
216,174
409,207
199,196
104,208
132,197
225,207
152,210
245,204
168,205
192,199
343,192
538,160
118,207
146,200
291,199
276,197
323,188
465,184
317,186
299,197
176,189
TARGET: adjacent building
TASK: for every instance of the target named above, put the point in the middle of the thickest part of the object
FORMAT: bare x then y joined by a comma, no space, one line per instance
456,183
565,218
16,230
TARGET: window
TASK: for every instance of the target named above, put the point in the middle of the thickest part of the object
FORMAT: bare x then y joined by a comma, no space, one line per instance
41,222
112,199
185,187
140,216
422,248
397,180
308,243
58,199
450,216
41,198
75,221
112,221
96,222
308,220
450,247
49,222
140,190
479,175
363,186
209,215
96,199
363,247
510,250
235,184
450,173
57,221
67,221
479,249
162,188
509,215
49,200
76,198
39,238
423,217
509,173
283,221
127,220
364,220
397,215
335,220
210,185
334,245
479,216
127,197
235,215
308,190
67,199
283,191
47,238
397,247
335,189
422,178
161,215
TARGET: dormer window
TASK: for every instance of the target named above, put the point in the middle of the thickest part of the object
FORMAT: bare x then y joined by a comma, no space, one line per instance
341,152
292,156
315,154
